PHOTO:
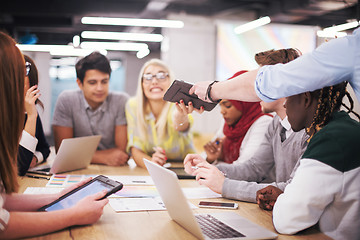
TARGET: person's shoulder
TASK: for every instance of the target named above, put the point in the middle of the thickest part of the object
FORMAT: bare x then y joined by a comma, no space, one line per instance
72,93
275,123
336,144
263,120
118,95
342,124
131,103
356,32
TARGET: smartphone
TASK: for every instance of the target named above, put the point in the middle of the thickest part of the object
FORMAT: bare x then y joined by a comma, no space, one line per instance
179,90
205,204
96,185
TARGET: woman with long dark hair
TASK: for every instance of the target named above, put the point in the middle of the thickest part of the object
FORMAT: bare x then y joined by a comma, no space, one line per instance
18,212
34,148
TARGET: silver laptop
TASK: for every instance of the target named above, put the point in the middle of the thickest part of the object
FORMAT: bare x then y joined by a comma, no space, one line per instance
231,225
73,154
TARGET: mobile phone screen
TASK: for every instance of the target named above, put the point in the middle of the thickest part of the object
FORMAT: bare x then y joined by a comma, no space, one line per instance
217,204
92,188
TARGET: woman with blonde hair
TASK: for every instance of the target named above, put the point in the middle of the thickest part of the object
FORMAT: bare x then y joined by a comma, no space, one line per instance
157,130
18,212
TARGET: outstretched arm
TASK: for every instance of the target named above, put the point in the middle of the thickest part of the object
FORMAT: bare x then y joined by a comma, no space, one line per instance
238,88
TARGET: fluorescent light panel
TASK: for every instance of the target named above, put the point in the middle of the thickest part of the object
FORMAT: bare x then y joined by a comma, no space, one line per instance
76,52
145,37
133,22
115,46
330,34
342,27
251,25
59,50
142,53
42,48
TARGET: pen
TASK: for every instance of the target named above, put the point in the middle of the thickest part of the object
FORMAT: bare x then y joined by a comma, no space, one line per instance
194,167
38,177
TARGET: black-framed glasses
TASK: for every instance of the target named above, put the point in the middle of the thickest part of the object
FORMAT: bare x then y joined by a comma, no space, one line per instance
160,76
27,67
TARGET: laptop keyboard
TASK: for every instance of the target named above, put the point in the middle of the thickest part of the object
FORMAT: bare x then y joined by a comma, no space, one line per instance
215,229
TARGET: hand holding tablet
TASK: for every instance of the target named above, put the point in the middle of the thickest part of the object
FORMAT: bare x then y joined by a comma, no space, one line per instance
94,186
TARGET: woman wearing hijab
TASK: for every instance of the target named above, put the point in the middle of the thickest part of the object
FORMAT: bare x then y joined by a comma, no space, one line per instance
244,128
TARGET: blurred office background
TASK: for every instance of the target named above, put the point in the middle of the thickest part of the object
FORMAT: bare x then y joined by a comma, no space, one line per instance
201,46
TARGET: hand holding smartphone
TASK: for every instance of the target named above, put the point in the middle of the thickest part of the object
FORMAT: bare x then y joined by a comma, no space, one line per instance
205,204
96,185
179,90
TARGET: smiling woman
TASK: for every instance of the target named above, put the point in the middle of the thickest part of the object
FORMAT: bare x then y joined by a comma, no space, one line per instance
157,130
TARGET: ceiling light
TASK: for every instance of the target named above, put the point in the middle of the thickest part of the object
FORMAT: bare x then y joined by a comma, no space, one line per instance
76,52
146,37
133,22
59,50
330,34
251,25
342,27
42,48
142,53
76,41
156,6
114,46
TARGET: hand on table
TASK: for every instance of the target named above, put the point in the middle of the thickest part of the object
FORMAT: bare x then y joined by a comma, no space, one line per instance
267,197
190,161
210,176
159,156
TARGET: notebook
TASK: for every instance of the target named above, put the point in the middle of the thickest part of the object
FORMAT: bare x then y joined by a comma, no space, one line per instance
73,154
231,225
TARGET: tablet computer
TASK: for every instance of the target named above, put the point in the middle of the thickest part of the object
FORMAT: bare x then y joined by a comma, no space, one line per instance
179,90
95,185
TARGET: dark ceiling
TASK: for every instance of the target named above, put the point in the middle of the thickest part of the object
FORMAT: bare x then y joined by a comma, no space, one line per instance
56,21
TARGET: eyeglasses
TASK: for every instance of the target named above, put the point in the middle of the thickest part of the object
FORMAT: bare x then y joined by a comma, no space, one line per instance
27,67
160,76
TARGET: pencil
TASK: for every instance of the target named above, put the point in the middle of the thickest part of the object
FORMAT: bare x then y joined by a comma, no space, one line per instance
37,177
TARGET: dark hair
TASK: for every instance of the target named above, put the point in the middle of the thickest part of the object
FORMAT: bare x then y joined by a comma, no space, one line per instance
12,75
33,76
273,57
95,61
330,99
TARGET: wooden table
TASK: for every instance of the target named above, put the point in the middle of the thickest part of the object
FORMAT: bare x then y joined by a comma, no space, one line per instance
151,224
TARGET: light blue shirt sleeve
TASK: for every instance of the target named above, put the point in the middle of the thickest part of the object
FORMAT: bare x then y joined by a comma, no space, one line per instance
331,63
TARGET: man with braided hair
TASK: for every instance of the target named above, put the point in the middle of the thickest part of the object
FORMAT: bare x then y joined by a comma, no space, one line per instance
326,185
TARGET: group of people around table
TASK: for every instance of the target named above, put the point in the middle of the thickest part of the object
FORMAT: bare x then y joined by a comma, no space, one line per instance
284,143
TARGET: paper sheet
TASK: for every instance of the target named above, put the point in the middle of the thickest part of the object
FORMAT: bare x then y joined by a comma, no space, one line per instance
133,180
136,204
139,204
42,190
137,192
63,180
